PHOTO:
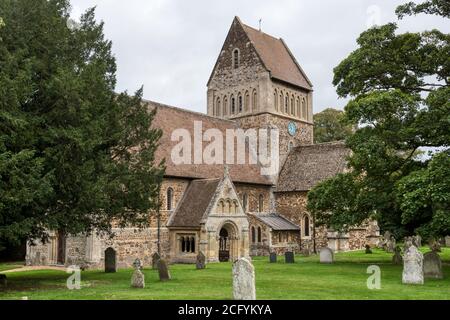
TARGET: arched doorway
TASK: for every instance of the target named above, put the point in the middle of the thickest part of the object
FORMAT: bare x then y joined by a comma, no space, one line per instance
224,245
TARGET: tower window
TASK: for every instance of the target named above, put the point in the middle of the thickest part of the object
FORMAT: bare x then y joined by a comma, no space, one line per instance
169,198
261,203
247,101
236,58
218,107
306,226
233,105
240,103
290,145
286,104
253,235
259,234
275,100
304,112
254,100
292,106
225,106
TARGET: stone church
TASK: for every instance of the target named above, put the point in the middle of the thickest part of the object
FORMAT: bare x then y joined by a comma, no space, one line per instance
230,211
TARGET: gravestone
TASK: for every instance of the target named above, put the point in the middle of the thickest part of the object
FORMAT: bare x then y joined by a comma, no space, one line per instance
201,261
138,278
397,259
110,260
155,259
447,241
3,281
412,266
407,243
432,266
390,245
289,257
434,245
163,270
326,255
243,280
368,250
417,241
273,257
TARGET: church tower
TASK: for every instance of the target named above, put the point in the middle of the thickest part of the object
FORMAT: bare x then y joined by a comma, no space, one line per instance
258,83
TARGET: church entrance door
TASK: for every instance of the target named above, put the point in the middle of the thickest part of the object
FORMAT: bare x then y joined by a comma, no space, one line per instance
224,245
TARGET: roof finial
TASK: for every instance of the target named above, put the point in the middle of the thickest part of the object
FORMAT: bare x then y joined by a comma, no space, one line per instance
226,171
260,20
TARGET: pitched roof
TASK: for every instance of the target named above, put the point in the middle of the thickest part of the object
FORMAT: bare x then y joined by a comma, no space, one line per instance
170,118
276,222
306,166
277,58
194,203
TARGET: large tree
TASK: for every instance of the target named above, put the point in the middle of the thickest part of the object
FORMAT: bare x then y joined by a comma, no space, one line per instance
329,126
399,85
74,155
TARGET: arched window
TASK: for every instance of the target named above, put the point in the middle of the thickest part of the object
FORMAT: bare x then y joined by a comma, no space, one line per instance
192,244
225,106
275,100
261,203
240,103
292,106
233,105
254,100
217,113
183,245
236,58
279,237
246,101
304,112
286,104
297,112
259,234
306,226
169,198
229,207
235,207
245,202
253,235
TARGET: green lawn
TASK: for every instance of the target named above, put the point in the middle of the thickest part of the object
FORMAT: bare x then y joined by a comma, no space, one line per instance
10,265
306,279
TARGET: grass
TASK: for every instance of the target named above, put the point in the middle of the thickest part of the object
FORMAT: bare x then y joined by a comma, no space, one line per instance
306,279
10,265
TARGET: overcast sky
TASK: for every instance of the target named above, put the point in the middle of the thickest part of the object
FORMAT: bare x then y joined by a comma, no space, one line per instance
170,46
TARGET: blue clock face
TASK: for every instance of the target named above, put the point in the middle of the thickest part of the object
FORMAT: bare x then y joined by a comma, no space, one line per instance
292,128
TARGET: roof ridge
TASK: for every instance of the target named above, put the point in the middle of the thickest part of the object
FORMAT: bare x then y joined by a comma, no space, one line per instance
159,104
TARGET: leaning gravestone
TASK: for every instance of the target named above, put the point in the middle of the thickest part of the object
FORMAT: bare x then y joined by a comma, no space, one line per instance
326,255
412,266
201,261
138,279
110,260
289,257
432,266
243,280
163,270
273,257
155,259
397,259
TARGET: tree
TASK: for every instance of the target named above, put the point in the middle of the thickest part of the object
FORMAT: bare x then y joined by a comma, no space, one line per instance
400,101
74,155
329,126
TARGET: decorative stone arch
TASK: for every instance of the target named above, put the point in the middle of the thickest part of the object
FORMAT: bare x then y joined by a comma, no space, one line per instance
240,103
292,110
281,101
247,101
225,106
304,111
298,107
254,100
228,241
217,107
275,99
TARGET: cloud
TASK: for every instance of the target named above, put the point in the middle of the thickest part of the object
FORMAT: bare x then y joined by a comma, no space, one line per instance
170,46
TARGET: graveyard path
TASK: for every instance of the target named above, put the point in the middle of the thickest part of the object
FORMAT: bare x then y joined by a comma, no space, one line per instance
33,268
